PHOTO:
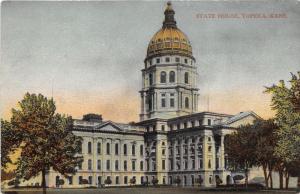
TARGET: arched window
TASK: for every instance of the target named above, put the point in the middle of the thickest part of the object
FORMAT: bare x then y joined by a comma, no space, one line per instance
172,76
186,102
125,149
133,149
108,148
99,148
163,76
186,77
150,79
89,147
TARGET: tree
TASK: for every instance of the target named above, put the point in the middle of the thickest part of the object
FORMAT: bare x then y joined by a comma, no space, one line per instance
199,181
9,142
177,181
240,146
155,181
265,133
46,139
132,181
108,181
286,103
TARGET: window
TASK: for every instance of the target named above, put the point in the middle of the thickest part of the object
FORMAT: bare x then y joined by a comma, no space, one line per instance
89,147
125,180
89,164
108,148
193,164
133,149
117,180
80,180
172,102
163,128
163,76
80,148
200,163
172,77
107,164
133,165
141,165
125,149
98,164
209,163
163,151
99,180
178,126
208,122
185,125
177,59
125,165
163,100
157,60
167,59
150,79
186,77
99,148
148,165
116,165
186,102
209,148
185,61
193,123
90,180
163,162
117,149
70,180
141,150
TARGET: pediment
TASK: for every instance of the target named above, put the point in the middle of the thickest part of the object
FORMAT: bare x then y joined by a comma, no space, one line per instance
108,126
242,119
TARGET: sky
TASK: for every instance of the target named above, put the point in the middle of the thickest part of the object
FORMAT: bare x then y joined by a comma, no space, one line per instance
88,55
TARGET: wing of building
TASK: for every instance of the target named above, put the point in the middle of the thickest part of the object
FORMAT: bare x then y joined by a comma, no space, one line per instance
173,142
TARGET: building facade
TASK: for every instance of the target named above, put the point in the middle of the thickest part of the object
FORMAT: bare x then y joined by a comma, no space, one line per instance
172,143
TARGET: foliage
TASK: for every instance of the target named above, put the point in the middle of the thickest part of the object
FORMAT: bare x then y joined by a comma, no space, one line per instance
240,147
92,117
7,175
46,138
155,181
9,142
218,180
199,180
132,181
84,181
286,103
177,181
107,181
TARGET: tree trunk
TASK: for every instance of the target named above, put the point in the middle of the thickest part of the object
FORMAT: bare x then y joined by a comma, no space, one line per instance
44,180
266,176
246,178
271,179
287,179
280,179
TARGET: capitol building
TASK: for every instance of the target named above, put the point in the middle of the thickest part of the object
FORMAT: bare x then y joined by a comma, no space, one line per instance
173,143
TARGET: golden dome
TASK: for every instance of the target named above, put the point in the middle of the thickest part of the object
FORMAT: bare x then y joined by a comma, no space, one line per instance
169,39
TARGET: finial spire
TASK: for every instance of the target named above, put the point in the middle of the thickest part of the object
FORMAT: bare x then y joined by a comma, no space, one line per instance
169,17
